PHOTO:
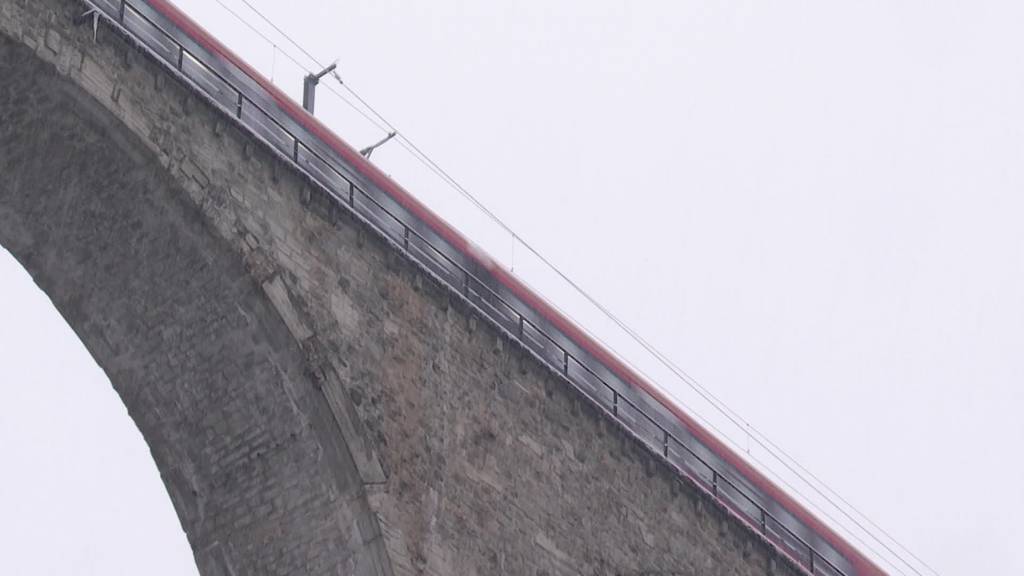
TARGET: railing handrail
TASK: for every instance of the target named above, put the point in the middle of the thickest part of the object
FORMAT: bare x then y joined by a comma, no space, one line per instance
814,559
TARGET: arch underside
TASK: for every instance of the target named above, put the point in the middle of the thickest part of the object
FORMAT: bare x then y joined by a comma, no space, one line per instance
254,461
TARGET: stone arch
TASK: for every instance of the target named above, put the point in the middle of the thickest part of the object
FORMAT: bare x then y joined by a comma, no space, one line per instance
222,391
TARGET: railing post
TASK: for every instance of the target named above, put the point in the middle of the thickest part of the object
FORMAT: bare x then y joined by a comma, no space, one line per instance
181,56
352,195
565,362
664,443
120,11
811,550
405,236
714,482
615,402
764,521
238,109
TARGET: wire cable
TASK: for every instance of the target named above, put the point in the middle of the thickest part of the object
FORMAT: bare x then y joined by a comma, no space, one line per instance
365,109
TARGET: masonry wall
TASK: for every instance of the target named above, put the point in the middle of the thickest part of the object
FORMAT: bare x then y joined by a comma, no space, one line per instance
315,403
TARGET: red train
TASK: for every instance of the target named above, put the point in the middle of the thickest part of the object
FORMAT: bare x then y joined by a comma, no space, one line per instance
195,55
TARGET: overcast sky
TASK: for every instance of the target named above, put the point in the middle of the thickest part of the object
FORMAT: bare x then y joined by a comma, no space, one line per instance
812,207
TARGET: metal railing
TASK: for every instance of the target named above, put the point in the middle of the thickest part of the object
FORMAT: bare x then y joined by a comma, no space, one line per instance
438,257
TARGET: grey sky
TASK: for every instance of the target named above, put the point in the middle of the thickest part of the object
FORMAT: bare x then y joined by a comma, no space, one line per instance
812,207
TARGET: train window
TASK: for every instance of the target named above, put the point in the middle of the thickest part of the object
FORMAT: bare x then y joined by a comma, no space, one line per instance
739,501
542,345
267,129
822,568
590,384
321,171
494,307
151,35
111,7
784,537
433,260
383,220
641,425
210,83
689,463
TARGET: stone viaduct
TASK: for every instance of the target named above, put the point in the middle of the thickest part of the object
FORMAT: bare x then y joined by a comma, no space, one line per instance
314,402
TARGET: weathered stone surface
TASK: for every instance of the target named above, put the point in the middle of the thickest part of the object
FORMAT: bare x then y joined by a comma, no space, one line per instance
314,403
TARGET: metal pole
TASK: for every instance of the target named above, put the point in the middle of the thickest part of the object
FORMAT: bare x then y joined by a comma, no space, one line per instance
309,87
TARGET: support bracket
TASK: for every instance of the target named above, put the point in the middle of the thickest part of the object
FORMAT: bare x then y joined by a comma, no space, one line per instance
369,149
90,14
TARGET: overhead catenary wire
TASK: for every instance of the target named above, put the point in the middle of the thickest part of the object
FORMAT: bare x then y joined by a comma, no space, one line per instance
768,469
770,447
828,515
382,123
295,60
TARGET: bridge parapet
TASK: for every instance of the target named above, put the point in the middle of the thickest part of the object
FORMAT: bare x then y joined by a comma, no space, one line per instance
469,454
